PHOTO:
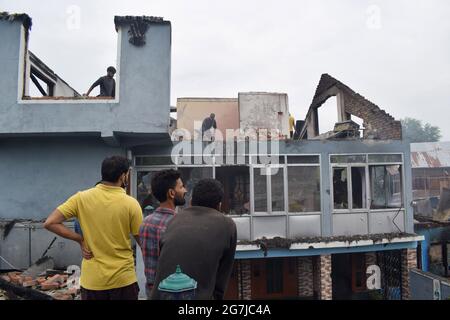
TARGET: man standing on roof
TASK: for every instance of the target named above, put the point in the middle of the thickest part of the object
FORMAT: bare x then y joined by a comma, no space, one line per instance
207,127
107,84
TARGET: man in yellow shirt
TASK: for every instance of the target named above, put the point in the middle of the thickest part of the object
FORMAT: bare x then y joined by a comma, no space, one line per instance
291,125
107,216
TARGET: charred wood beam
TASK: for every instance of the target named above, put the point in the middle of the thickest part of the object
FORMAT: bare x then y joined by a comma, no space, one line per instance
38,85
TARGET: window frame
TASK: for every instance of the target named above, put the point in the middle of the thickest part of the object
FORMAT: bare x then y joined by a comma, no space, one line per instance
367,164
251,165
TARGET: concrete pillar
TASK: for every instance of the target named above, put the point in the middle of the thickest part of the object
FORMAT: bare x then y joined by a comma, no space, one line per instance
305,277
409,261
342,116
244,283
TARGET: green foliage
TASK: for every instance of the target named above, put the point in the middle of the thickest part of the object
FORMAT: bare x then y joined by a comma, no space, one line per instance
415,131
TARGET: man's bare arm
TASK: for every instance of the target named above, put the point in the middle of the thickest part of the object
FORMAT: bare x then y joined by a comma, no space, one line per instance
96,83
138,240
54,223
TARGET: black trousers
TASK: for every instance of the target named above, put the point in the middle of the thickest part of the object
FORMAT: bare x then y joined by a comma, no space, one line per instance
130,292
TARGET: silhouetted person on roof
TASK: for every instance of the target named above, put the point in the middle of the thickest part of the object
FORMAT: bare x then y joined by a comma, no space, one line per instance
107,84
207,126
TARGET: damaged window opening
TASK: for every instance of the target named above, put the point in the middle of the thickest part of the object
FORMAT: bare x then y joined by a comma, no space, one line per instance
340,188
386,186
349,187
260,189
327,115
236,184
40,82
358,187
353,177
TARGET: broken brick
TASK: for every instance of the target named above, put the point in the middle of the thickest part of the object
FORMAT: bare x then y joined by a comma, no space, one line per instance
6,278
58,278
62,296
49,286
73,291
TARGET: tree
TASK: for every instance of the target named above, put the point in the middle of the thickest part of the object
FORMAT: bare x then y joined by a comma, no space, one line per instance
414,131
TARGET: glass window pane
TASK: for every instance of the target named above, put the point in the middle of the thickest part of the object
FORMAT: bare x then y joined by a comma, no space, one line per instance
386,187
260,186
277,177
304,189
267,159
191,176
340,190
303,159
358,158
359,187
380,158
154,161
236,185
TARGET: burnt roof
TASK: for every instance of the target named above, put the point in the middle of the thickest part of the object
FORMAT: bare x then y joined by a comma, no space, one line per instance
120,20
23,17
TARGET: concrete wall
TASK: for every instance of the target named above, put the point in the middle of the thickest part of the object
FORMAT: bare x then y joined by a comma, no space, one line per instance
39,174
143,83
11,34
197,109
264,111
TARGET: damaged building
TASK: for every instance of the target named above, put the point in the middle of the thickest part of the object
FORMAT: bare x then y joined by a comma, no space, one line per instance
309,224
431,194
332,205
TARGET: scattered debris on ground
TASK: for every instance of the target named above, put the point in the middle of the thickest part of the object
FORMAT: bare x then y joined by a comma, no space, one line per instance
51,283
3,295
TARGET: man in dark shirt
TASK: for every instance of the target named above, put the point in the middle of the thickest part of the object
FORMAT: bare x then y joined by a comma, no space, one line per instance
107,84
207,124
202,241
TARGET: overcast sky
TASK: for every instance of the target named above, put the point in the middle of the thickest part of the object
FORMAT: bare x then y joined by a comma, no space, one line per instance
395,53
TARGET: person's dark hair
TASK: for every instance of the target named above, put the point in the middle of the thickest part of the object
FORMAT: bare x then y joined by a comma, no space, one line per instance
207,193
162,181
113,167
112,69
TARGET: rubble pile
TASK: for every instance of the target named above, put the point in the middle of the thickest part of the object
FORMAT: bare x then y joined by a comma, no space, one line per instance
55,285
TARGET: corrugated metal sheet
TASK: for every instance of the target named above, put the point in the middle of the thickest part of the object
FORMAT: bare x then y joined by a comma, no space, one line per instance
430,155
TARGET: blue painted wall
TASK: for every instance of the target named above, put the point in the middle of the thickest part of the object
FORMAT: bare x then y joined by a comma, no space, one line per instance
39,174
